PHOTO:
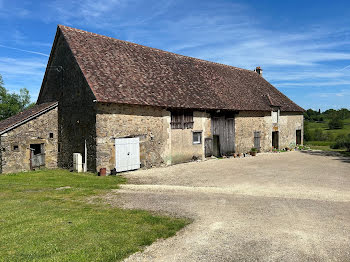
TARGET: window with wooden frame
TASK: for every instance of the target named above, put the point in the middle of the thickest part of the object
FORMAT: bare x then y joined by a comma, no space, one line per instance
197,137
181,119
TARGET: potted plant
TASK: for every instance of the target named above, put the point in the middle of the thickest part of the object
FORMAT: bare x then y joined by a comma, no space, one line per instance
253,151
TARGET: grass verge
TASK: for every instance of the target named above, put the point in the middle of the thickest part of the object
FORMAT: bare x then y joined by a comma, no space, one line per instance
327,148
44,216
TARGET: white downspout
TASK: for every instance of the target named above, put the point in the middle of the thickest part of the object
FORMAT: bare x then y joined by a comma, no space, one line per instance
85,164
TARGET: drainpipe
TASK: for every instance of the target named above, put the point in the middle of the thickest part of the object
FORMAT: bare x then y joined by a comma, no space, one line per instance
85,153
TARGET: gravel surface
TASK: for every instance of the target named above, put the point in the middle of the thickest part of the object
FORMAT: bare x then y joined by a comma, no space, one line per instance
291,206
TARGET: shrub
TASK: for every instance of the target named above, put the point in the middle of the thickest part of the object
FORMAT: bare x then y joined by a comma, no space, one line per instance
319,135
335,123
254,149
342,141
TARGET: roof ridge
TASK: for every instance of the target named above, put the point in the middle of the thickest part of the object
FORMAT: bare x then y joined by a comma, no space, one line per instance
123,72
156,49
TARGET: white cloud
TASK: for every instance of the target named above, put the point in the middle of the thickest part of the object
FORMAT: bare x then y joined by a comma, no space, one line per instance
20,67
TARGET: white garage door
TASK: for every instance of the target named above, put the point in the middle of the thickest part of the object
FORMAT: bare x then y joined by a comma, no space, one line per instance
127,154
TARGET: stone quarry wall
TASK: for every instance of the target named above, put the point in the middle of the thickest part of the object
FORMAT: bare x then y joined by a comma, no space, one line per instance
150,124
247,122
182,147
35,131
77,114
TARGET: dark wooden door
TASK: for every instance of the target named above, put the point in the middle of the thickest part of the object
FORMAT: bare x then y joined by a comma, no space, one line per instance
275,139
224,128
216,146
208,147
298,137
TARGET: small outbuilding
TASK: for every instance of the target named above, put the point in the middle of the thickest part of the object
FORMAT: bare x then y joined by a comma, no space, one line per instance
29,140
130,106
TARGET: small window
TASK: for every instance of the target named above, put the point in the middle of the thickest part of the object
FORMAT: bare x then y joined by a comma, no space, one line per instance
51,135
15,148
197,137
274,115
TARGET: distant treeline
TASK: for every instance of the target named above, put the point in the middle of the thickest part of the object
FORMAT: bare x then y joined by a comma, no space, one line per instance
312,115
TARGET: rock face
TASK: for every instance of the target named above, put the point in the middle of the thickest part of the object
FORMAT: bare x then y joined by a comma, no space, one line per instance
16,143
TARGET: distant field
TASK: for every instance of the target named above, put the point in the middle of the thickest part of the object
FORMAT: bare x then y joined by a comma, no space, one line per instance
324,127
326,145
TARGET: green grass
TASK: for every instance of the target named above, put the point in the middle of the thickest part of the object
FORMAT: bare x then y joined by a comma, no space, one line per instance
319,143
40,223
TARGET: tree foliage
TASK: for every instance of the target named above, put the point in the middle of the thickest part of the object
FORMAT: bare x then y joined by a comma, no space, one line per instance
12,103
342,141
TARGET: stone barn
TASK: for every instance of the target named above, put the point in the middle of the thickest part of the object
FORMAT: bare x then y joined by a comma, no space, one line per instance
130,106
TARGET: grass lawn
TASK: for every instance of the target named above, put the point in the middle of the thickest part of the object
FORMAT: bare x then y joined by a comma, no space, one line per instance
40,220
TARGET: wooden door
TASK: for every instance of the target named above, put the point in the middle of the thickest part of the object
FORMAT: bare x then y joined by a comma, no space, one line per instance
127,154
275,139
208,147
224,128
257,140
298,137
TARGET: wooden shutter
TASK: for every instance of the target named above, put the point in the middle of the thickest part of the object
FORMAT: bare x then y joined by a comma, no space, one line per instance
181,119
257,140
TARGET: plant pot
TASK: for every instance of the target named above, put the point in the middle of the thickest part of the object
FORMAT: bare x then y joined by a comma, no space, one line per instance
103,172
253,153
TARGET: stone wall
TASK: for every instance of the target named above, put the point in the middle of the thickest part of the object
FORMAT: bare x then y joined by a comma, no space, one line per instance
247,122
150,124
35,131
77,115
288,124
182,147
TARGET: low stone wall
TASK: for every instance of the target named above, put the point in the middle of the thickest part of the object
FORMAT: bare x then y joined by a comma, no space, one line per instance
150,124
36,131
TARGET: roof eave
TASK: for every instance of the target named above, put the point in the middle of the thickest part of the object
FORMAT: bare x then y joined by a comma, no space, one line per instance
29,118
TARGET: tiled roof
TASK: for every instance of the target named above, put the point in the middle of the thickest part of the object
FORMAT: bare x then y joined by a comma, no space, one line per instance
13,121
123,72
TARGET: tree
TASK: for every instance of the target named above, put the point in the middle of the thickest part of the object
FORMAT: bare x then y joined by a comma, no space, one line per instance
335,121
12,103
343,113
307,133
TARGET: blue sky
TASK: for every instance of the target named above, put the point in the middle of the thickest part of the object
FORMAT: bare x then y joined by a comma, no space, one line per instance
302,46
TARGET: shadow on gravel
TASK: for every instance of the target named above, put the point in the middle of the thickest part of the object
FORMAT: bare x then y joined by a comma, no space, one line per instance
339,156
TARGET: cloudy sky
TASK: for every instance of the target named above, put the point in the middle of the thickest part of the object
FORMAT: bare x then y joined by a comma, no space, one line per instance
302,46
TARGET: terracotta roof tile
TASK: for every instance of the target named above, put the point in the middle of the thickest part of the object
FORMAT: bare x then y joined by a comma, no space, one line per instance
24,115
123,72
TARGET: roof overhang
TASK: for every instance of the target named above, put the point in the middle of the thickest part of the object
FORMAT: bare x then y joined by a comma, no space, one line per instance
29,118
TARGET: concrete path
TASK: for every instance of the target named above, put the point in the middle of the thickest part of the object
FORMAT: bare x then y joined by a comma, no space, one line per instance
274,207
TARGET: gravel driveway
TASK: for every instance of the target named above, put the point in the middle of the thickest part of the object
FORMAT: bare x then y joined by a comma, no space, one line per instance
291,206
